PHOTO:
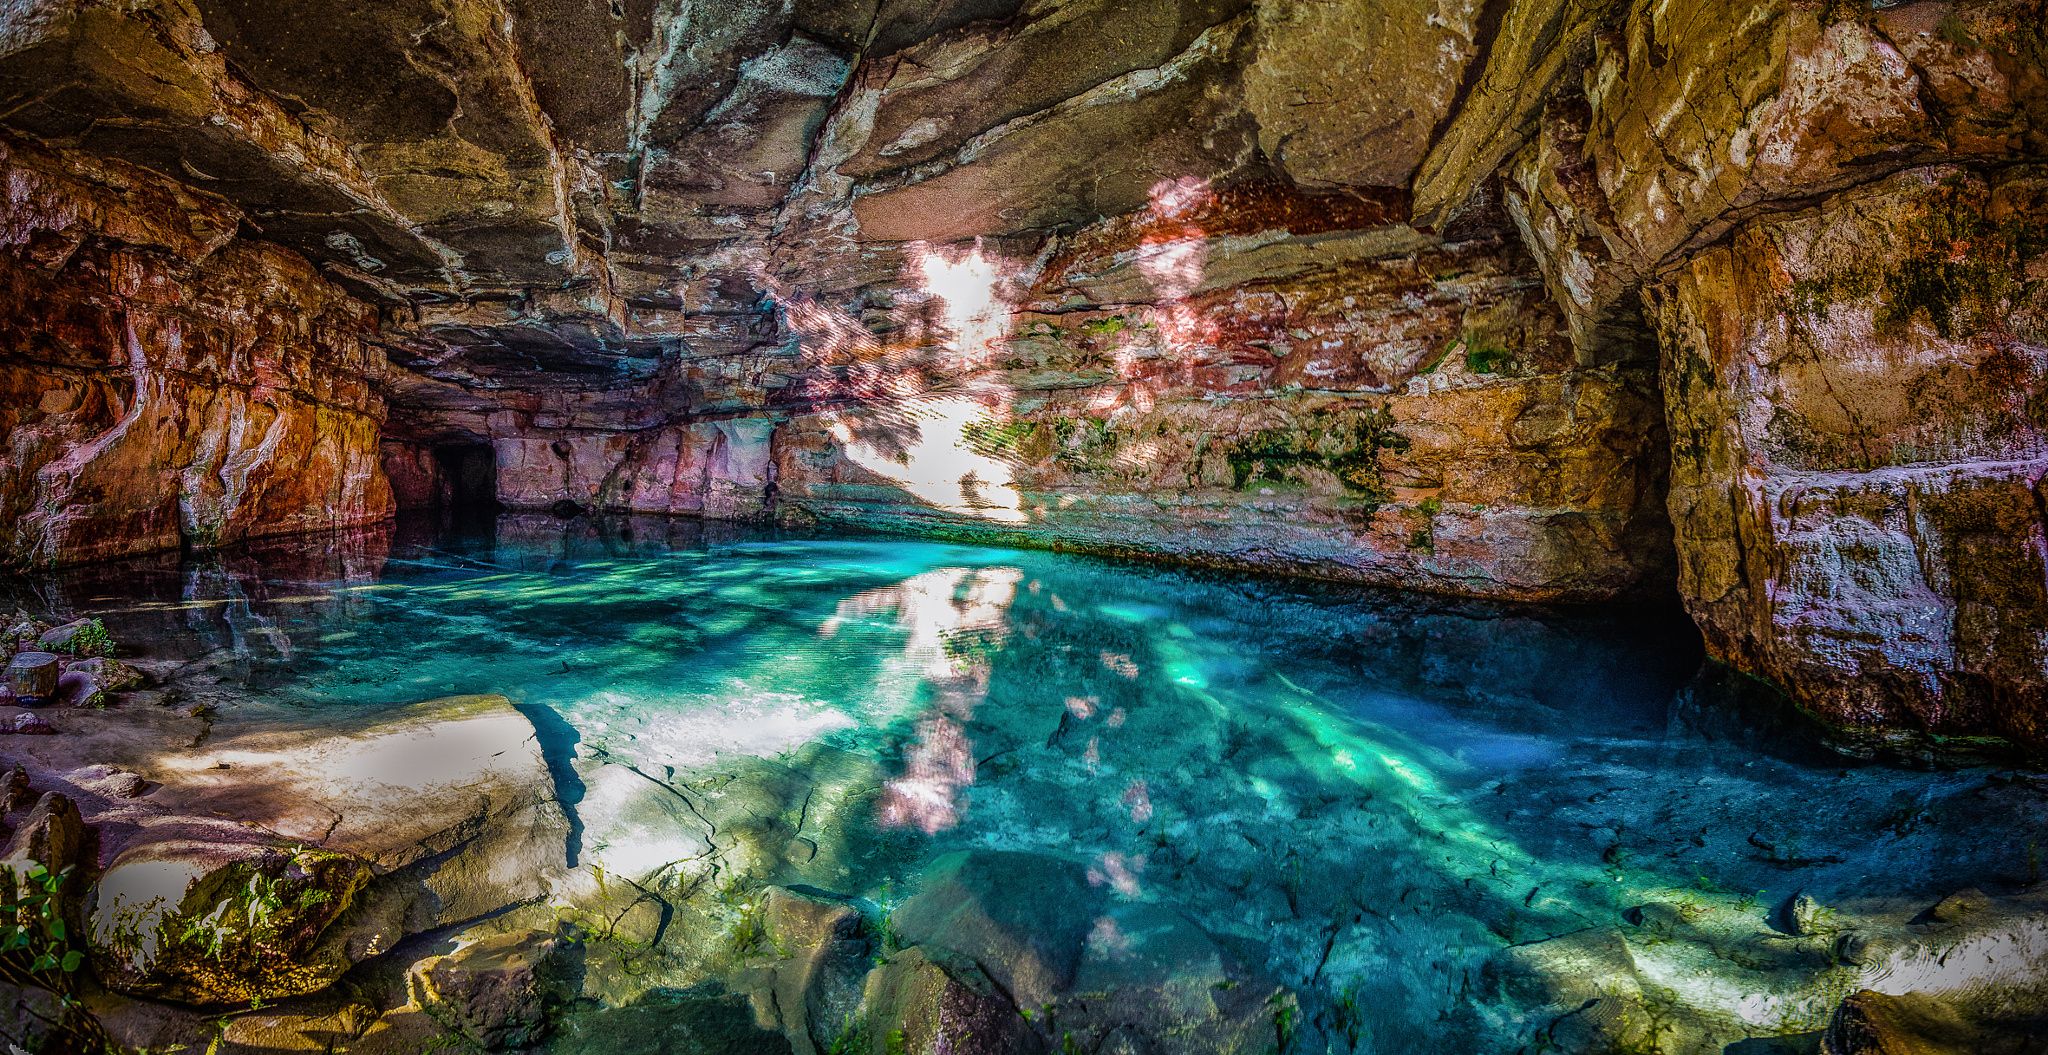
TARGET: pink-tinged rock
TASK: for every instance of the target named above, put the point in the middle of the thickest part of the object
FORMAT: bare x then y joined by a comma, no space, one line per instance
165,385
28,723
1660,158
1858,453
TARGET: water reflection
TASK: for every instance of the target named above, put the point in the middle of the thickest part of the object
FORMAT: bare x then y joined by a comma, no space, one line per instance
1371,793
954,618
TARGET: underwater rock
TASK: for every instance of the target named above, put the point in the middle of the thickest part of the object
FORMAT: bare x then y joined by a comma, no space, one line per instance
495,991
1081,960
814,986
1023,918
1959,906
1873,1023
703,1020
213,923
916,1006
1805,915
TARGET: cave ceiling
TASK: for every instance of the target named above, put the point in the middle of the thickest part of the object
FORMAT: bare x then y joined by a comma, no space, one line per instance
569,192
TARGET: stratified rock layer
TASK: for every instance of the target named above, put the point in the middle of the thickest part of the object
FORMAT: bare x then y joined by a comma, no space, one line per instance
1233,281
1859,450
165,382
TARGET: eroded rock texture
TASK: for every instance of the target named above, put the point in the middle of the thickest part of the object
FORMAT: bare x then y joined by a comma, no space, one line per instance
1859,449
167,382
1370,289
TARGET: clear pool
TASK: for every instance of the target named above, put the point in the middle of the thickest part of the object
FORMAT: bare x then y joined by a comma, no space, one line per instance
1366,795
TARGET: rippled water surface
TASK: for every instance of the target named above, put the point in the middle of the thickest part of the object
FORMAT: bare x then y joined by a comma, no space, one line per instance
1364,796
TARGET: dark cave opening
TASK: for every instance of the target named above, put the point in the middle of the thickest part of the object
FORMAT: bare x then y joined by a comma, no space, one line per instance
467,475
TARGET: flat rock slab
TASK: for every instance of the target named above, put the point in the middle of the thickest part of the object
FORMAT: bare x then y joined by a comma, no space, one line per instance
393,787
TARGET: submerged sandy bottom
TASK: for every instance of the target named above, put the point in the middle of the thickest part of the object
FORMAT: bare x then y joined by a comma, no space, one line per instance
1369,799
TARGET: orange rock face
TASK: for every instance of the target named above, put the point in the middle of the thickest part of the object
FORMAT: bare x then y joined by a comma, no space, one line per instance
1859,451
166,383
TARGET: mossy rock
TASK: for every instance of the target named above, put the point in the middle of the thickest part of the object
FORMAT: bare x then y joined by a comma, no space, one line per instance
214,924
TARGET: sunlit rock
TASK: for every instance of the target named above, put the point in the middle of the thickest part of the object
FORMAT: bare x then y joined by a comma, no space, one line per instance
1855,475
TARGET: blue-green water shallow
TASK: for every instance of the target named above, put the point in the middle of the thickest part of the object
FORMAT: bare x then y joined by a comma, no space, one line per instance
1365,795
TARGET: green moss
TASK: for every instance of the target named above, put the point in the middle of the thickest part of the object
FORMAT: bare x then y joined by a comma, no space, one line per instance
1084,444
1349,449
1105,327
994,439
1953,30
1950,263
1485,356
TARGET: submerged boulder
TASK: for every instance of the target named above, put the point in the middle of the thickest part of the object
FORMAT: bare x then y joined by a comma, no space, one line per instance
1873,1023
214,924
1081,961
916,1006
814,986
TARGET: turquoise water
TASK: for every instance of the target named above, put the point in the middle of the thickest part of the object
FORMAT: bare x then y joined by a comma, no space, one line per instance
1365,796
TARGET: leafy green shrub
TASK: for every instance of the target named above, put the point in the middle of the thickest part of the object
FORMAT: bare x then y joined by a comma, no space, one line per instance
92,639
35,942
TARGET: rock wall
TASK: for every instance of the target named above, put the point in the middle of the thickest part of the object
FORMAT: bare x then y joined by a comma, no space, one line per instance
167,383
1860,440
1259,378
1372,289
1838,248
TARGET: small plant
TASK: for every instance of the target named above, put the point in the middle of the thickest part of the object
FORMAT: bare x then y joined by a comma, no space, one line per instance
92,639
750,934
1284,1025
35,943
1346,1019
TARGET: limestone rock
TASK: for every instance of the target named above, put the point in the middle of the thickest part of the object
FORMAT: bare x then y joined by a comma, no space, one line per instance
1872,1023
1352,93
495,991
1081,961
29,723
919,1007
701,1021
825,950
1854,473
228,397
80,637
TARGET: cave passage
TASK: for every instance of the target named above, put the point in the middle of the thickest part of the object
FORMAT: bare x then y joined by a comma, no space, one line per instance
468,478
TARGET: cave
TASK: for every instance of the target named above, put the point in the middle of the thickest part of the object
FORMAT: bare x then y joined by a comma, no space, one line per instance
1128,527
468,474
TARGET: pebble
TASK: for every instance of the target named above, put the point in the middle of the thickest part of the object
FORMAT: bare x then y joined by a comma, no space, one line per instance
29,723
1805,915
